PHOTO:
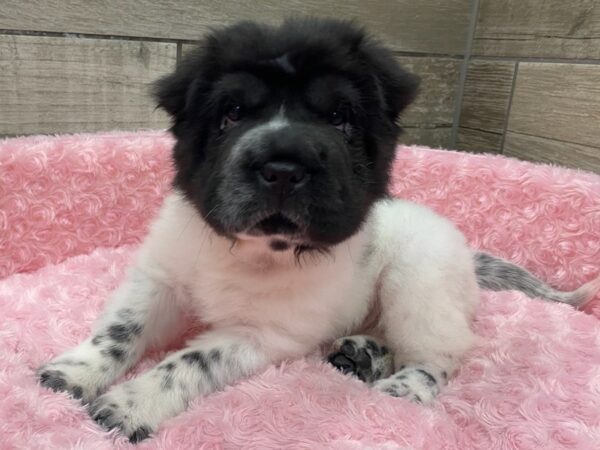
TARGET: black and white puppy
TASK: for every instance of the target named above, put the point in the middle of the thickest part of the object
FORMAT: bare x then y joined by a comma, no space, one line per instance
280,237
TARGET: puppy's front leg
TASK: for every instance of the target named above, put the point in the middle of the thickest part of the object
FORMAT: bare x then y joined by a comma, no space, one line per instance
137,407
137,316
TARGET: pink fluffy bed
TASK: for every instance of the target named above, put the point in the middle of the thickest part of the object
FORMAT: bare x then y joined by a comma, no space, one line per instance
73,210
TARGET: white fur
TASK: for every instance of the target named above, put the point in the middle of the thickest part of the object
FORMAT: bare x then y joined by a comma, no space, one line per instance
408,271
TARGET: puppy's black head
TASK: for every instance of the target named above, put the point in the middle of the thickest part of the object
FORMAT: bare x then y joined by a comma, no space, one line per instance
288,130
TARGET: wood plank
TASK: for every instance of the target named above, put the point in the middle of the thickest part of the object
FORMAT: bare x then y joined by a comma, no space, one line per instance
486,95
431,137
423,26
557,101
55,85
478,141
535,148
484,106
434,106
538,28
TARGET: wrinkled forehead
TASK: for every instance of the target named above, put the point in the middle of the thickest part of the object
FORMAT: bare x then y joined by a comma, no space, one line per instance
276,82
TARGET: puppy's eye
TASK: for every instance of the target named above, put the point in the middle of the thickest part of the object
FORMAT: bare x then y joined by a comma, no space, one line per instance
234,113
338,118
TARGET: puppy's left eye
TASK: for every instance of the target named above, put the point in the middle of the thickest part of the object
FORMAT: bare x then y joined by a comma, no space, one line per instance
337,118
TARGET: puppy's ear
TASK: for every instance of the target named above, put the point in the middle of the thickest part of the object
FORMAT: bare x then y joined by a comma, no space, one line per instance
170,92
178,92
173,92
397,87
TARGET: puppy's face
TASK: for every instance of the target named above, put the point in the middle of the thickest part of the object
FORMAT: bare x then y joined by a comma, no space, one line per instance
286,132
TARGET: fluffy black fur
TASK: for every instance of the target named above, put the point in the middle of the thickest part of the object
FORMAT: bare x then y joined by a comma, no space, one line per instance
339,90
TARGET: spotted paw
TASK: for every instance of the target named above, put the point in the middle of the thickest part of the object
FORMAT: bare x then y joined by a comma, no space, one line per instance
119,409
411,382
69,376
362,356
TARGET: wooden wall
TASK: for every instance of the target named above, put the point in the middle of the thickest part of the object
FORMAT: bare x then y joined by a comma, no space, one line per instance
75,65
519,77
532,87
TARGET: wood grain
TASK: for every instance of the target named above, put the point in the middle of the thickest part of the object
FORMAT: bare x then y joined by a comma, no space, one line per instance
431,137
434,105
557,101
421,26
535,148
484,105
53,85
486,95
478,141
538,28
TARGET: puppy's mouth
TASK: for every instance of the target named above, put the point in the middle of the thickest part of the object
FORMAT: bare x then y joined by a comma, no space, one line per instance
275,224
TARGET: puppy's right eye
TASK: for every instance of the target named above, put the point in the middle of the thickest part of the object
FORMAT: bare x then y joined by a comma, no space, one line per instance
234,113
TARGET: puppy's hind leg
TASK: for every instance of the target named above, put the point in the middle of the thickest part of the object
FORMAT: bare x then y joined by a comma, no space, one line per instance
140,312
426,321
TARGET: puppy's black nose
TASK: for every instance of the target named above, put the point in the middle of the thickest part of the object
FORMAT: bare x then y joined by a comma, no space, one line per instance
283,177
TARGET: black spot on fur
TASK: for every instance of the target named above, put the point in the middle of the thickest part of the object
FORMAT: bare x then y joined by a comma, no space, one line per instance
72,362
348,347
196,358
375,349
139,434
430,379
130,403
98,339
124,332
215,355
418,399
341,362
77,391
104,417
53,379
392,392
168,366
125,313
115,352
363,360
167,381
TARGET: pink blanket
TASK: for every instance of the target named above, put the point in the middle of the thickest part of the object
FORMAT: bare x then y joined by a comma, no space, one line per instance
74,208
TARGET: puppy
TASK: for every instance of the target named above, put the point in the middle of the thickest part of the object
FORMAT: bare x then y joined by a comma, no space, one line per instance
280,236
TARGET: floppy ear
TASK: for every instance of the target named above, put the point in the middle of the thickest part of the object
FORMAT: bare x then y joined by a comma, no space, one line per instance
397,87
170,92
178,92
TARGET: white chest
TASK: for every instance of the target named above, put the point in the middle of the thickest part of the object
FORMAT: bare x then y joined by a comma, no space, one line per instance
301,302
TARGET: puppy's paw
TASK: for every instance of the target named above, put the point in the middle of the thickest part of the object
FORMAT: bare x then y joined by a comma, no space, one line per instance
121,408
362,356
411,382
69,375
